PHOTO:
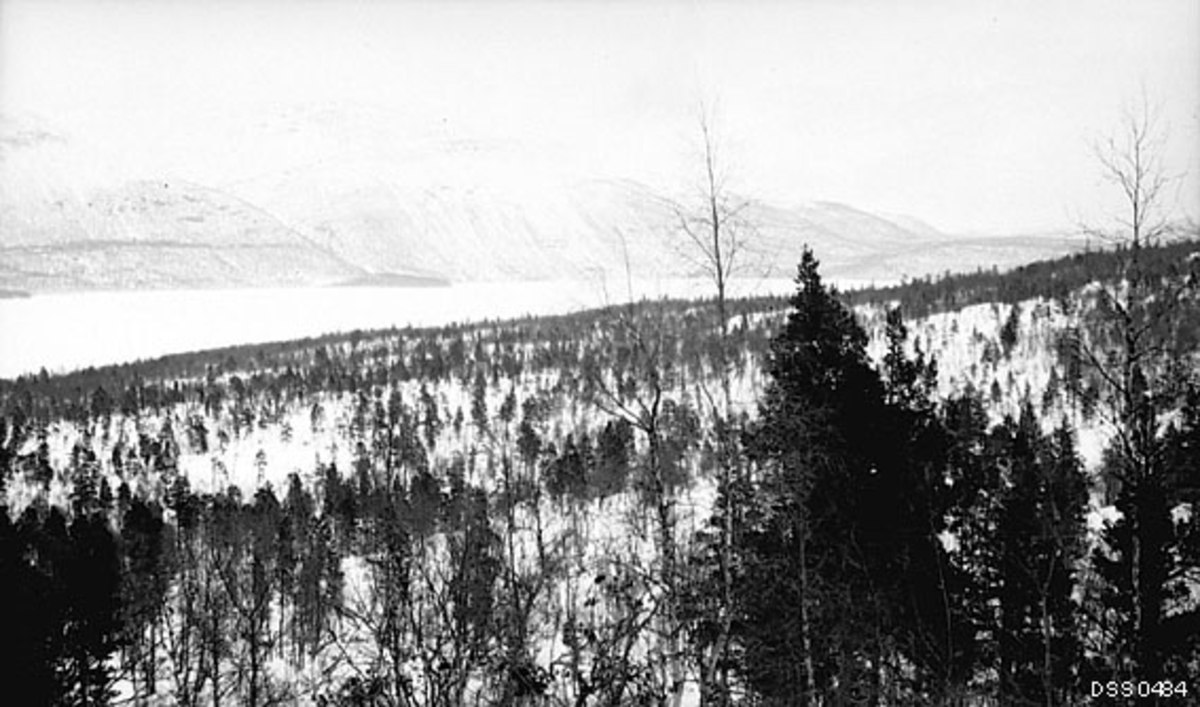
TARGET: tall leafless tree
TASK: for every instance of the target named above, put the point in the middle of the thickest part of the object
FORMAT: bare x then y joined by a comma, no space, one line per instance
1125,342
716,229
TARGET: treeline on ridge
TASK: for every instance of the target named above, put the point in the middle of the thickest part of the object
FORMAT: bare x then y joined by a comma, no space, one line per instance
1055,279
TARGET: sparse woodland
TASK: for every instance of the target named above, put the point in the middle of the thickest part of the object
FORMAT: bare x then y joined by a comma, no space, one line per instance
878,497
534,512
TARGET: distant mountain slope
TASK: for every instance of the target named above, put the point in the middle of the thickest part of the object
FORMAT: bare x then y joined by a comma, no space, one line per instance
458,212
158,234
422,216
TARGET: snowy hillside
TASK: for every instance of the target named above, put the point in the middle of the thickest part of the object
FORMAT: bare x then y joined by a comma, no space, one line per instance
534,498
284,438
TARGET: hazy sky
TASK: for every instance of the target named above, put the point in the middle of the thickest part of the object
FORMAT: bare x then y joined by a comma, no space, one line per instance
971,115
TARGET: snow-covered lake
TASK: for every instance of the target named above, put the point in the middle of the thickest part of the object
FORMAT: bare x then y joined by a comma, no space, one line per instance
60,332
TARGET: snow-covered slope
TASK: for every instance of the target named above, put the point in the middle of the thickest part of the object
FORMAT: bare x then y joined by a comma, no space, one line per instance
157,234
968,347
463,211
251,439
489,213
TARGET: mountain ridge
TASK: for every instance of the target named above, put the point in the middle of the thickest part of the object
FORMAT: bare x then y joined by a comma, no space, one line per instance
431,217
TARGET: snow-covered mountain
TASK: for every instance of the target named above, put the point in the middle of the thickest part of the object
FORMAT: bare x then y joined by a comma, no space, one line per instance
68,223
159,234
461,211
432,213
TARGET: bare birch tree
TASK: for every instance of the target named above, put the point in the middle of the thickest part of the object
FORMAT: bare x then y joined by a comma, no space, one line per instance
1125,342
715,230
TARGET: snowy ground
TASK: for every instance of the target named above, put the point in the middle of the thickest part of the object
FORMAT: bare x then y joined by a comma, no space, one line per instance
965,344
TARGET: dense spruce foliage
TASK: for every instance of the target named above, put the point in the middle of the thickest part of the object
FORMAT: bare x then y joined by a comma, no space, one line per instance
556,512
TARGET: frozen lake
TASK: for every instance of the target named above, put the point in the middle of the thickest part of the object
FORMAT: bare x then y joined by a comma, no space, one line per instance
60,332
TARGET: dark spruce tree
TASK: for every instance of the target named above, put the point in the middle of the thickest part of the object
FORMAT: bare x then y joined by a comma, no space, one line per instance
930,591
1181,628
1143,608
1041,541
972,497
63,606
92,632
145,585
31,611
842,585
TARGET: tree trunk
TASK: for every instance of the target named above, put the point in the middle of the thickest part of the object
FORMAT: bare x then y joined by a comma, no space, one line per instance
1047,654
810,685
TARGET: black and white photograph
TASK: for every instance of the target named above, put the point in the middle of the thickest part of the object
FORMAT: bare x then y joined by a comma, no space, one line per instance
673,353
